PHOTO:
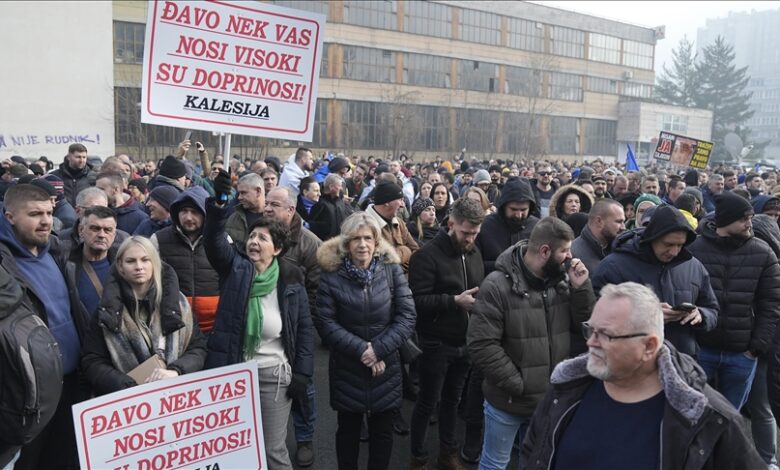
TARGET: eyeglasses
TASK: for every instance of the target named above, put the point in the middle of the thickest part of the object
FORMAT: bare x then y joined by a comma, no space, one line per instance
588,331
543,173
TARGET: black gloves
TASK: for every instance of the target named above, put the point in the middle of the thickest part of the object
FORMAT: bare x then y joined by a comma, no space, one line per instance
223,186
297,391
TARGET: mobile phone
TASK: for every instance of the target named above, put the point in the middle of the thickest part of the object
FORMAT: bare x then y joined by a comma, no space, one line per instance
685,306
188,135
224,197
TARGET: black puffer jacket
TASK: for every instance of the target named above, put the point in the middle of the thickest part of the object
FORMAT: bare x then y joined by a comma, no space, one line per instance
700,429
349,315
437,273
745,277
684,279
498,234
73,181
327,215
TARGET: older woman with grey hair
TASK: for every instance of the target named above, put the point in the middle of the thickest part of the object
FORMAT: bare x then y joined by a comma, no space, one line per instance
365,312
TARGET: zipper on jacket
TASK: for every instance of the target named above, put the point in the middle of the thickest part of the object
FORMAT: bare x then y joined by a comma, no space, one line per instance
465,282
365,328
549,333
555,431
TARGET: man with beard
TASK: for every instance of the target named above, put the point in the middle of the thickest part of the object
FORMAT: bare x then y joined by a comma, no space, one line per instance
298,166
633,401
74,172
606,220
600,188
444,277
520,330
544,187
32,256
511,223
181,246
746,279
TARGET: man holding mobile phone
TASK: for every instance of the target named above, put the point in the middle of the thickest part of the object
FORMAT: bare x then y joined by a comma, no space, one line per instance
746,279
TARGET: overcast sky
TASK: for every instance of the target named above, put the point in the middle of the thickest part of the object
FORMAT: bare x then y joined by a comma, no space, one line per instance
680,18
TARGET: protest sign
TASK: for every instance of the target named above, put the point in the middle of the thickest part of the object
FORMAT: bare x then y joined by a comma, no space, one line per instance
237,67
207,420
682,151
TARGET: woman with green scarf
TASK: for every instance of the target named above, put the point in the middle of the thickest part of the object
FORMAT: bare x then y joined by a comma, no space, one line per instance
262,317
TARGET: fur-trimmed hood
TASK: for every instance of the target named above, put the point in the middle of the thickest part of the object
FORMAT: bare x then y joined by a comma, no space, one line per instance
329,256
683,380
557,199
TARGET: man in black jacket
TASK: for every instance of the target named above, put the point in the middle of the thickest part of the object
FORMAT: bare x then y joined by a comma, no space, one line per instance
510,224
31,255
330,211
745,277
444,277
633,401
606,220
74,172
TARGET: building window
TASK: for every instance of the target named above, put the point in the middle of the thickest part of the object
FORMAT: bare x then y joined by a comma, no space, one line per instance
604,48
428,18
320,134
479,26
477,130
374,14
426,70
525,35
315,6
435,133
637,54
522,135
602,85
673,123
600,137
522,81
364,125
563,135
324,61
129,42
564,86
638,90
567,42
478,76
369,65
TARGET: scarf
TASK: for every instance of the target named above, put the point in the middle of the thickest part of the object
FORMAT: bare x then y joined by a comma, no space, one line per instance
140,335
262,285
361,276
307,204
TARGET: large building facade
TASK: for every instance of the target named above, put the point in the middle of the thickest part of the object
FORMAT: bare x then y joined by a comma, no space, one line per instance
498,79
755,37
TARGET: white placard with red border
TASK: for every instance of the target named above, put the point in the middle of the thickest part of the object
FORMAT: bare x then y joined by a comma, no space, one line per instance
238,67
207,420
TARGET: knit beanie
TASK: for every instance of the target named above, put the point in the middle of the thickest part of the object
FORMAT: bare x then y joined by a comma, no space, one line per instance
45,185
139,183
58,184
481,176
172,168
647,197
165,195
730,208
420,205
387,191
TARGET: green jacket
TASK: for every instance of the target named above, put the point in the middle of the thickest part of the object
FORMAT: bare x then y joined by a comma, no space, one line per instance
520,329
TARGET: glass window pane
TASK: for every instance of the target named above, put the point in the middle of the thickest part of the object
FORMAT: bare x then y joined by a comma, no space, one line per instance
374,14
526,35
480,26
428,18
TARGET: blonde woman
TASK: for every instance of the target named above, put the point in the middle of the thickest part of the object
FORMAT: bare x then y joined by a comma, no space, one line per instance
478,195
141,314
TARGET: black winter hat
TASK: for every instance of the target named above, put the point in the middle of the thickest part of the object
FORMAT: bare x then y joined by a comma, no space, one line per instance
165,195
172,168
387,191
139,183
730,208
420,205
337,164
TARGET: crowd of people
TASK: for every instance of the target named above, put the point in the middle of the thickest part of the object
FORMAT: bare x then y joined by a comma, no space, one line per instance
577,314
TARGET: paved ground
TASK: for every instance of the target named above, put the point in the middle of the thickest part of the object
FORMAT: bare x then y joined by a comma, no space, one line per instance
325,430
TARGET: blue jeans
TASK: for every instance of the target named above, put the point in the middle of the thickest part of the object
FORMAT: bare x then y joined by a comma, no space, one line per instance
730,373
502,430
762,422
305,432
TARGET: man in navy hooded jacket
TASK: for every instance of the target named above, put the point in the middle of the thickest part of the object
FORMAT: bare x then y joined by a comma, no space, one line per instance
30,254
656,256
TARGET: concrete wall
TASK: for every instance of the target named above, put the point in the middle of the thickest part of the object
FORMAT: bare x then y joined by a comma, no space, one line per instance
57,84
